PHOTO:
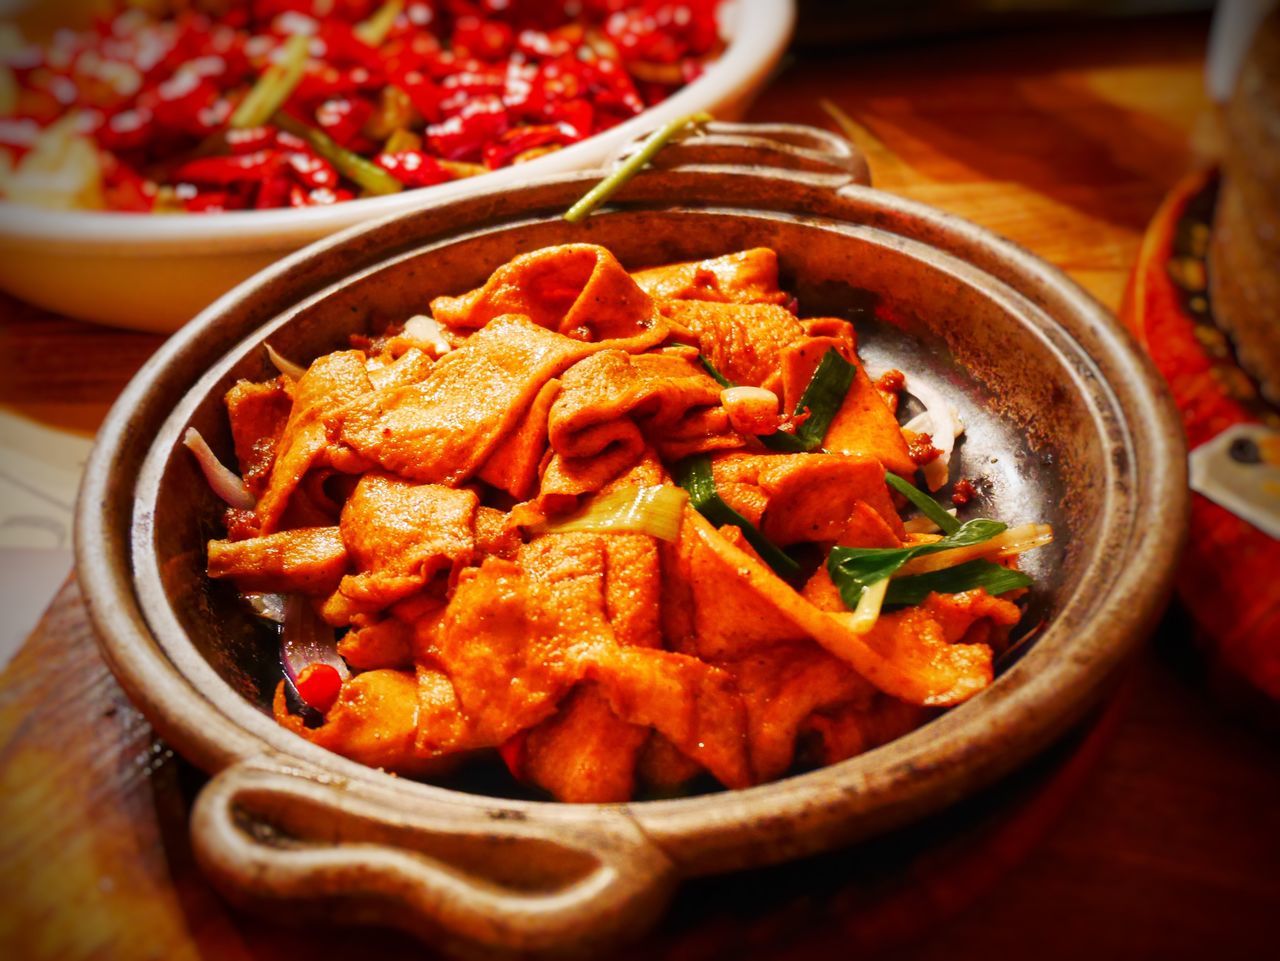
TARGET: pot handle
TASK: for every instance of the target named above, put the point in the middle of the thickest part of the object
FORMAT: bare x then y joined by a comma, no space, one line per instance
464,877
811,154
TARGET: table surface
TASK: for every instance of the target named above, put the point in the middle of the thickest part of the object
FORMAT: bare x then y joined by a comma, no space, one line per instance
1154,831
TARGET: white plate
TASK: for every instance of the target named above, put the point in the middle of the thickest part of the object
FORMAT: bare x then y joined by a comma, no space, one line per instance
155,273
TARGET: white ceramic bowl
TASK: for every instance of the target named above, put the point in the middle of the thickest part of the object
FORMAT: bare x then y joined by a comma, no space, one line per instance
154,273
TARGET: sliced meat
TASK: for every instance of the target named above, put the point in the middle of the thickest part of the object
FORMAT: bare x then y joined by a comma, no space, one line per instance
308,561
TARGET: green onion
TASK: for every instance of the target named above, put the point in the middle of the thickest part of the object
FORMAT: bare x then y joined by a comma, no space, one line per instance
694,475
822,398
374,30
273,88
927,506
640,510
366,174
718,377
854,569
994,578
631,166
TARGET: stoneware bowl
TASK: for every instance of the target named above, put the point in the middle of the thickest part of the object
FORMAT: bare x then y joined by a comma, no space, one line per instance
1067,423
156,272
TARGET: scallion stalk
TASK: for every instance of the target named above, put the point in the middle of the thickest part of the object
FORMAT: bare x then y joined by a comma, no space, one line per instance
822,398
374,30
694,475
992,577
273,88
638,510
927,506
607,187
366,174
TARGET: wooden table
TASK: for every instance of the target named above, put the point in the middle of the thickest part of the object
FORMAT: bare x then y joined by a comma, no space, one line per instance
1153,832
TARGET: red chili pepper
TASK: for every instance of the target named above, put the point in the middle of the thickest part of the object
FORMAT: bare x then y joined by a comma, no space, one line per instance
209,201
224,171
319,685
124,188
312,171
483,39
519,139
463,136
251,139
274,192
423,94
413,168
342,118
512,752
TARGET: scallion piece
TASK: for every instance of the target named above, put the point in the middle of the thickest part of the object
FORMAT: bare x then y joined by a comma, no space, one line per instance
718,377
927,506
854,569
273,88
822,398
990,576
366,174
639,510
694,475
631,166
374,30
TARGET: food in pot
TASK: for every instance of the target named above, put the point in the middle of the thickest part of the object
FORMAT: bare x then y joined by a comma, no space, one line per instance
631,532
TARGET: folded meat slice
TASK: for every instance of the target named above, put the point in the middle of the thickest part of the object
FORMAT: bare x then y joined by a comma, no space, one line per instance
781,687
307,561
611,400
443,429
331,383
906,654
801,497
400,535
745,277
513,465
865,424
374,722
584,754
579,290
846,730
387,643
516,639
258,414
743,341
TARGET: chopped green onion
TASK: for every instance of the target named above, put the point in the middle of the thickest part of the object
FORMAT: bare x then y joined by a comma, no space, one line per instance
854,569
368,175
718,377
631,166
994,578
927,506
374,30
694,475
639,510
822,398
273,88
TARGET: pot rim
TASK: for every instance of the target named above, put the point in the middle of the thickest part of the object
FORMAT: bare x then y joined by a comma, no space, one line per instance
215,731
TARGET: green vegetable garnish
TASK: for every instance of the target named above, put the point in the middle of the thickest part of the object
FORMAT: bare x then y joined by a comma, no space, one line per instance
854,569
718,377
822,398
953,580
694,475
368,175
631,166
639,510
374,30
273,88
927,506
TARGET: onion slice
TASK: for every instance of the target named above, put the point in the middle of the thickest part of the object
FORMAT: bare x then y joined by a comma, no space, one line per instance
943,425
224,482
305,639
284,364
426,329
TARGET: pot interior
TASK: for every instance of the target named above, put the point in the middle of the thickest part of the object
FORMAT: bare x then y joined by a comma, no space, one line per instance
1035,446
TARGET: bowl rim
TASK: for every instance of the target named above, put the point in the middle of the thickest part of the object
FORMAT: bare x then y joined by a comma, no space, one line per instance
162,686
757,30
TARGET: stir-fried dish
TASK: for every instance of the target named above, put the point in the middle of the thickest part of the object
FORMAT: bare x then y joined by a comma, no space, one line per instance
173,106
627,530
